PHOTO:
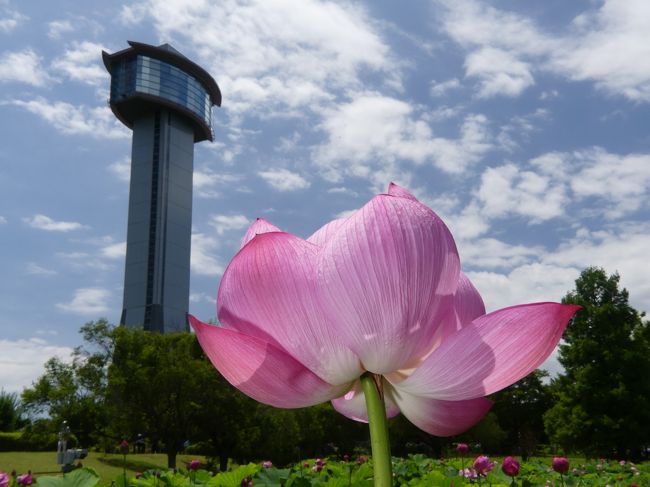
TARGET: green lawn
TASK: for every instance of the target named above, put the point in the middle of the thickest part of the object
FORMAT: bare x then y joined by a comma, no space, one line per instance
108,466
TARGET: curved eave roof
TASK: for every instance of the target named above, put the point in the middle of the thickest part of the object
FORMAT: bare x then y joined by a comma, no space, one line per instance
172,57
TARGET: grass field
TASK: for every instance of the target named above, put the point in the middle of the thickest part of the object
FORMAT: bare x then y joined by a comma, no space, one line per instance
108,466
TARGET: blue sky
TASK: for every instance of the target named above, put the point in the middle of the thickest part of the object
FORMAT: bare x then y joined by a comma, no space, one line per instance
523,124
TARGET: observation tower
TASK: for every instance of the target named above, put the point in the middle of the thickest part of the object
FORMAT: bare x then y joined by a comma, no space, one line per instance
166,100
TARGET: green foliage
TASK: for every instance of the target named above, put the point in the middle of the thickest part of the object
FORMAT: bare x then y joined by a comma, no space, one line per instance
602,401
520,409
83,477
74,392
11,411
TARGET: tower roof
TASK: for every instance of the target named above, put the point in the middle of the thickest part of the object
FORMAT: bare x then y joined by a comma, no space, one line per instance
167,53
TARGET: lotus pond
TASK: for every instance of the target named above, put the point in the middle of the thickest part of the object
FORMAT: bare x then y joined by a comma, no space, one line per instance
415,470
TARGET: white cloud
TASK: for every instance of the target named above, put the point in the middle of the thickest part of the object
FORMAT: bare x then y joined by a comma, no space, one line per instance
622,180
225,223
87,301
121,169
114,251
443,87
284,180
58,27
82,62
606,45
10,20
499,72
609,46
22,361
36,270
83,261
203,259
201,297
3,220
209,184
373,131
97,122
23,67
507,190
43,222
275,55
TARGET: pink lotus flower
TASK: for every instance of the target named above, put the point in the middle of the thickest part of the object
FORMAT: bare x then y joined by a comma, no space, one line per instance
4,479
25,479
462,449
510,466
483,465
194,465
267,464
382,292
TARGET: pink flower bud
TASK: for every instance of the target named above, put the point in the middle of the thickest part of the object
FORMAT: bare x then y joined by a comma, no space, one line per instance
124,447
462,448
560,465
510,466
267,464
194,465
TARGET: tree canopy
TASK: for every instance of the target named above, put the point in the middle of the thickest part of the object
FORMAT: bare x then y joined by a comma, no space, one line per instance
602,401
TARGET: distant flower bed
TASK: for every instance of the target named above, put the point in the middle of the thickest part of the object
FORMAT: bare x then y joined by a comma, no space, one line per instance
416,470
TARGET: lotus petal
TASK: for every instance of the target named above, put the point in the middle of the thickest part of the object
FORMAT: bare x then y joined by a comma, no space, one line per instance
386,277
468,305
440,418
259,226
491,353
353,404
268,291
395,190
261,370
324,233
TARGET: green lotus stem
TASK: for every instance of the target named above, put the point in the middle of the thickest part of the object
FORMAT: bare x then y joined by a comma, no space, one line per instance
378,424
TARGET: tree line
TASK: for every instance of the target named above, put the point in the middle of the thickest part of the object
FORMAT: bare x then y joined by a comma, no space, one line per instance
123,383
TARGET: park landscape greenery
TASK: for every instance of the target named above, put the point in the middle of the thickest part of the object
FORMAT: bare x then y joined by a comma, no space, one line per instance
124,382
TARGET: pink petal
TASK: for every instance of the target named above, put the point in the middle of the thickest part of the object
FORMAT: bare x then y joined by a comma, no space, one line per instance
268,291
441,418
491,353
261,370
387,278
353,404
324,233
468,305
259,226
395,190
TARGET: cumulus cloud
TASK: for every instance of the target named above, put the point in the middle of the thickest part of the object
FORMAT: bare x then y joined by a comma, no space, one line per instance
82,62
273,55
97,122
23,67
605,45
373,131
114,251
209,184
87,301
121,169
226,223
443,87
43,222
57,28
284,180
22,361
10,19
204,260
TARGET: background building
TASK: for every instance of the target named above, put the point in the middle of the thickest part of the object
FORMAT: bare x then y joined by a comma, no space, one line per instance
167,100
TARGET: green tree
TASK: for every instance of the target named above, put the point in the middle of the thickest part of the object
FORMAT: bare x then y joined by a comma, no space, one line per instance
520,410
152,388
602,401
75,391
11,411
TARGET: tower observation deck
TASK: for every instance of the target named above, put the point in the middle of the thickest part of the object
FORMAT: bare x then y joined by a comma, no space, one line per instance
166,100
